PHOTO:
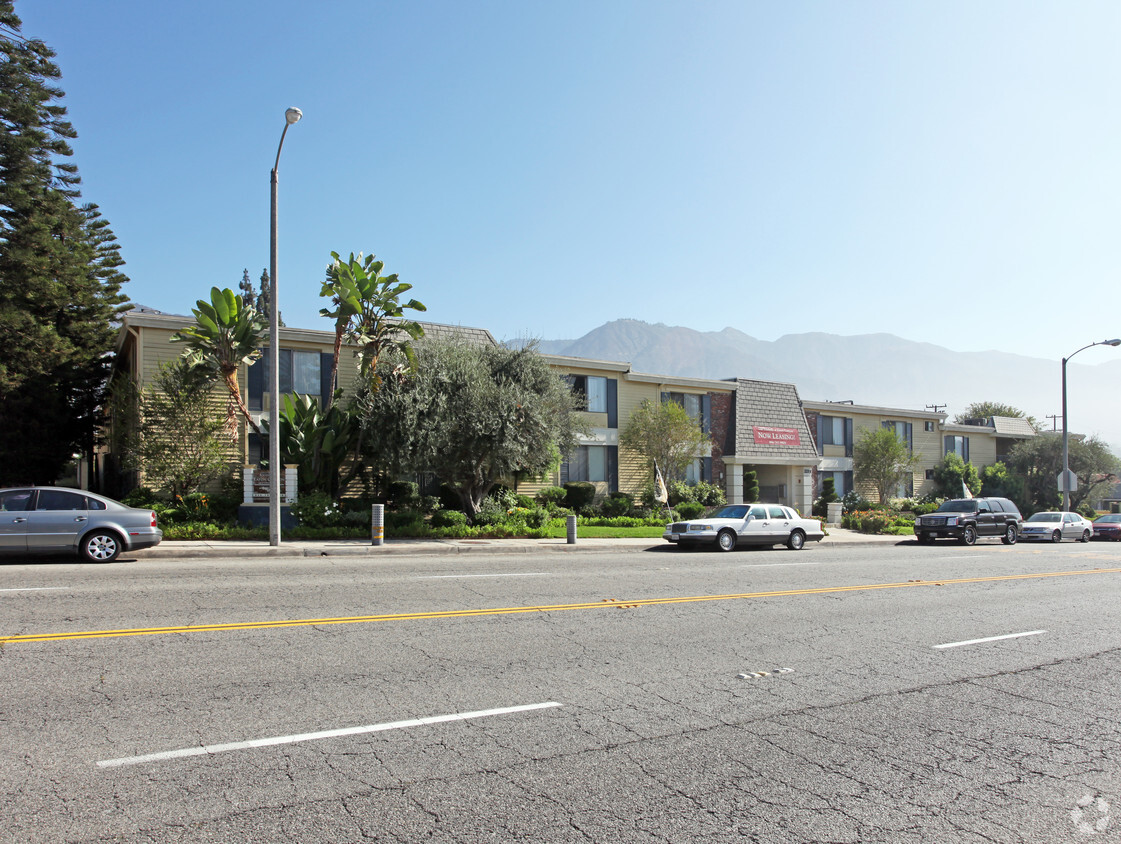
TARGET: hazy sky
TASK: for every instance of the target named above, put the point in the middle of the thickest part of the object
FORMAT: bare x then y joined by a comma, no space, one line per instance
948,172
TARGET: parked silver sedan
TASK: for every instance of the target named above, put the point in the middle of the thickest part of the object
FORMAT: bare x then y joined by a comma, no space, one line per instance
1055,527
765,525
53,520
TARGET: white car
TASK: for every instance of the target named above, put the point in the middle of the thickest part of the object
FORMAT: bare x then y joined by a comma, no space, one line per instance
747,524
1055,527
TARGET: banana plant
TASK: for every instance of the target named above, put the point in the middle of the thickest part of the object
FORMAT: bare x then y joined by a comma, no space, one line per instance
319,442
228,332
368,312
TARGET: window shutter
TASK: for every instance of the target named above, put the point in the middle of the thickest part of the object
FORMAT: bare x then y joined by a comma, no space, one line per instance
820,434
848,438
325,359
965,449
910,436
706,470
706,413
947,445
613,406
256,381
612,459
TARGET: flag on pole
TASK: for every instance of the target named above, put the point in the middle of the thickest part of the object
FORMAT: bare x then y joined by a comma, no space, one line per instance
965,493
660,493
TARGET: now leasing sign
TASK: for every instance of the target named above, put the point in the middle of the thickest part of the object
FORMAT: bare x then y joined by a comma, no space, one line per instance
776,436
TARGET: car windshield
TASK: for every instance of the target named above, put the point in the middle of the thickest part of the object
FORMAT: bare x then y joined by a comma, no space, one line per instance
957,507
736,511
1111,519
1046,517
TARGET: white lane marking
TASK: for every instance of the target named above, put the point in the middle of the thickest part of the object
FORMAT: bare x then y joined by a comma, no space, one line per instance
346,731
36,589
991,639
512,574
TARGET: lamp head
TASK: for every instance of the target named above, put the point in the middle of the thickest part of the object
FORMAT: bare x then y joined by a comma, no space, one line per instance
293,115
1112,343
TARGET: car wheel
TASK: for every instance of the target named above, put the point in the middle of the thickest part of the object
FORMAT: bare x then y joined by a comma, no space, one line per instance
969,535
1085,536
796,541
1010,535
101,546
1057,536
726,540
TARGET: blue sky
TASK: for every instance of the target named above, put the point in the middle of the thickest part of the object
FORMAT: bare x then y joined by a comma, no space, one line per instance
944,171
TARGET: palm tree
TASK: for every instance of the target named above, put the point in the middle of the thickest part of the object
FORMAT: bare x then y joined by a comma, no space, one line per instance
368,312
228,332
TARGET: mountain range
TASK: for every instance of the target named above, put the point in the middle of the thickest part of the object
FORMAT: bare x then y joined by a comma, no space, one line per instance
869,369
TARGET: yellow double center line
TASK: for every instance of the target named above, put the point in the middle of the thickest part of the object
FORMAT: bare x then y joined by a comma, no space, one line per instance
598,605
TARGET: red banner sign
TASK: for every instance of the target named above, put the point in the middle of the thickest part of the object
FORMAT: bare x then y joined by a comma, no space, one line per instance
776,436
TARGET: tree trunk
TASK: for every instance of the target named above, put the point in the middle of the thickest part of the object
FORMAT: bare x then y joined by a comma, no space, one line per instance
235,397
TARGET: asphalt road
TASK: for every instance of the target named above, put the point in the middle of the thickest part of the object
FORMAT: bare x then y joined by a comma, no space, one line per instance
861,694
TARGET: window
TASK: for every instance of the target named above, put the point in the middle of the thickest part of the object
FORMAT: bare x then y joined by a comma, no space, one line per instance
300,372
15,501
777,512
834,430
594,390
588,463
928,426
842,482
930,474
694,405
53,499
901,429
958,446
759,512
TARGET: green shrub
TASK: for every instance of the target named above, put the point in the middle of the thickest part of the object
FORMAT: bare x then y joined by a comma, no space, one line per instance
317,510
402,495
142,497
579,495
553,495
403,522
828,496
691,509
449,518
854,501
537,517
617,504
524,502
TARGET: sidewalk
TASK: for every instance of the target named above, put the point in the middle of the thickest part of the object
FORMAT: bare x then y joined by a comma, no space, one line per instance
174,549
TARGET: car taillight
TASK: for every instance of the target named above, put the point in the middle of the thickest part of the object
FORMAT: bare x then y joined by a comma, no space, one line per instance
153,518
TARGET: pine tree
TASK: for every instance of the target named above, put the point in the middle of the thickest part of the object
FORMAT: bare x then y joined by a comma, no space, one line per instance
60,283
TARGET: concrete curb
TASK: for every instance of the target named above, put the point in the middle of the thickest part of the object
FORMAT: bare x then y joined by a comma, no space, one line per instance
174,549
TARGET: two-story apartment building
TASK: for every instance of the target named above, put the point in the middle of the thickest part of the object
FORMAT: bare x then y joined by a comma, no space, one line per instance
837,426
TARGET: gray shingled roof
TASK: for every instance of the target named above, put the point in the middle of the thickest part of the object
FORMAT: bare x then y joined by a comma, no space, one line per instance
767,404
1012,426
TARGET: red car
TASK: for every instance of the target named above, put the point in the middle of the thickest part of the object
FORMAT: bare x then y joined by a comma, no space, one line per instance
1108,527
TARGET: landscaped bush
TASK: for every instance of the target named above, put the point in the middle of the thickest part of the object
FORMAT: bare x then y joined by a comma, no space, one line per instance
317,510
449,518
691,509
449,498
617,504
552,495
402,495
854,501
405,522
579,495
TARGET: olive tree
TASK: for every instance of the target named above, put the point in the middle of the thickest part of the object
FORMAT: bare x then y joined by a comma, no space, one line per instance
882,460
473,415
664,434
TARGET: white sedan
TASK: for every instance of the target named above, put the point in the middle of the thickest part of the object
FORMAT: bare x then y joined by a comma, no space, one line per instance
747,524
1055,527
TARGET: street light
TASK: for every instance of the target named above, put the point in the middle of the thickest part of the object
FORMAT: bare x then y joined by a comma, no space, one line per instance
1066,452
290,116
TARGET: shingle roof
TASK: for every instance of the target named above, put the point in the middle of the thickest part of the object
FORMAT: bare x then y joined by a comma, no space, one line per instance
1012,426
767,405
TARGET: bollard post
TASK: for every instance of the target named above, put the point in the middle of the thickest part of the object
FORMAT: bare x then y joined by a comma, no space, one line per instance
377,524
571,522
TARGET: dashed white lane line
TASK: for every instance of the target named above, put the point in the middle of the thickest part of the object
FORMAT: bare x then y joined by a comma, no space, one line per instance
36,589
294,739
991,639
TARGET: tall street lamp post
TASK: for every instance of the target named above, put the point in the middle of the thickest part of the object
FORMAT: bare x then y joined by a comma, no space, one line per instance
1066,451
290,116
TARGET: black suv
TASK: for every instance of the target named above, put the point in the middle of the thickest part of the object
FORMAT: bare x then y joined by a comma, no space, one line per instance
965,519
